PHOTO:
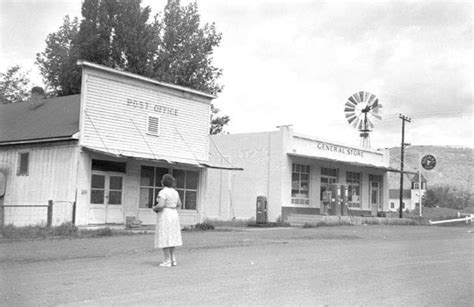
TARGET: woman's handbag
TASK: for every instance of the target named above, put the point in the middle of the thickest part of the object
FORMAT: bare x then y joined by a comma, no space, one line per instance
157,207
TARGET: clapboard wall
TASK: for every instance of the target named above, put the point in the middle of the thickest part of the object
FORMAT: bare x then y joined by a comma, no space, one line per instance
114,118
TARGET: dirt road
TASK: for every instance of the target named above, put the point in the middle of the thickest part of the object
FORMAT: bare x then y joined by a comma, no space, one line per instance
357,265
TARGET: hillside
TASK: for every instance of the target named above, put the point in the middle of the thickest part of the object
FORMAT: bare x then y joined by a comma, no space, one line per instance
454,166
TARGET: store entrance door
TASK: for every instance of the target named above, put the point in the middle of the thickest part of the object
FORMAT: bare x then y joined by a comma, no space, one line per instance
375,197
106,198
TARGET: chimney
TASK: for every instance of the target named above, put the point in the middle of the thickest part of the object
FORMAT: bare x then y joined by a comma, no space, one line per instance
37,97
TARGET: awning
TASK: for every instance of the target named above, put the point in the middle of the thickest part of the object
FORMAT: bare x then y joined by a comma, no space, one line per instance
129,155
384,168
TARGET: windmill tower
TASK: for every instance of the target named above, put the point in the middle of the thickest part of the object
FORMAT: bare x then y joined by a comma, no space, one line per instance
361,110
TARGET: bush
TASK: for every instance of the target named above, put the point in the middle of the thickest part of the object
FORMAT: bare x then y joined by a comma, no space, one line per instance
203,226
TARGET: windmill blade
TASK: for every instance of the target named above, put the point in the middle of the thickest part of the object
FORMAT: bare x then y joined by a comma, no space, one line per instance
360,125
377,116
371,99
351,117
349,104
349,114
354,99
370,124
361,95
349,108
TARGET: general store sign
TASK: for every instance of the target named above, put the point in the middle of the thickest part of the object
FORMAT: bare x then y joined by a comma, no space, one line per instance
340,149
151,107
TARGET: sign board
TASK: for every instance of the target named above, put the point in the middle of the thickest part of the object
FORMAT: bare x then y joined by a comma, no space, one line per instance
428,162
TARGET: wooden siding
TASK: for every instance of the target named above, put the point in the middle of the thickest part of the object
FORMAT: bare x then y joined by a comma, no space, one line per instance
110,122
51,176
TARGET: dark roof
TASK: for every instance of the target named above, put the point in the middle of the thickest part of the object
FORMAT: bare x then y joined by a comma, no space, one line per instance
415,178
55,118
395,194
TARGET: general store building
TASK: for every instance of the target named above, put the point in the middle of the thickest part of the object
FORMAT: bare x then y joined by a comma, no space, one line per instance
293,172
103,152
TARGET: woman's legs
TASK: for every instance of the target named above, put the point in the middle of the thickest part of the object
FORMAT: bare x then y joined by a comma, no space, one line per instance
166,253
173,257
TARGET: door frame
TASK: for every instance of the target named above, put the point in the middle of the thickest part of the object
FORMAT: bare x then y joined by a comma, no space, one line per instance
105,206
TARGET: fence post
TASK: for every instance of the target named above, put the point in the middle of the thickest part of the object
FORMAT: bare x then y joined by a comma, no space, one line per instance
74,213
50,213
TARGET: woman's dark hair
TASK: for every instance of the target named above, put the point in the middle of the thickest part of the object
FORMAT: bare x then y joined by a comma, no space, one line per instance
168,181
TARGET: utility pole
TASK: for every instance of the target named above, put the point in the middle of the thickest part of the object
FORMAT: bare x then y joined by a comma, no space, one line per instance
402,149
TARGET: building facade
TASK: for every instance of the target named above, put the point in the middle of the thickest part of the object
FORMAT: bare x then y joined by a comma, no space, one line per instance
103,152
411,196
293,172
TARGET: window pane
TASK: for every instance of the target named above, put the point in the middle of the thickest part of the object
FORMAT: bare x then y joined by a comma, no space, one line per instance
160,172
116,183
192,179
98,182
24,158
181,196
115,197
190,203
179,175
97,196
147,176
146,198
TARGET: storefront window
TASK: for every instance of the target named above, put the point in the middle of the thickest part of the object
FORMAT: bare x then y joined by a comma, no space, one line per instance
328,177
300,184
150,185
353,189
187,186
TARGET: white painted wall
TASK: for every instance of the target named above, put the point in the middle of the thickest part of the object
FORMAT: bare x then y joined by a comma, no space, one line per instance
115,111
51,176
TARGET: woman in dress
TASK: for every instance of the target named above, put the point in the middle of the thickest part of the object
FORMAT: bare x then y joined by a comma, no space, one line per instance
168,229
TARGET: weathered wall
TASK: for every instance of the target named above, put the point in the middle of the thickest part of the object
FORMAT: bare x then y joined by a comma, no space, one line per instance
51,175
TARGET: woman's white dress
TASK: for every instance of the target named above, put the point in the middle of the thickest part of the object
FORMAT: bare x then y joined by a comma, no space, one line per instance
168,229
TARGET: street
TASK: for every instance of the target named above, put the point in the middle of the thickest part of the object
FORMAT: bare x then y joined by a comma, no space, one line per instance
351,265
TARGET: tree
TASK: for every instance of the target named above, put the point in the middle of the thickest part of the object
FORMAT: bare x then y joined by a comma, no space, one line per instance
185,55
14,85
57,63
448,197
217,122
174,48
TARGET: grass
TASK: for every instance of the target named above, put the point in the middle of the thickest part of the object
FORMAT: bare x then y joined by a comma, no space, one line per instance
65,230
325,224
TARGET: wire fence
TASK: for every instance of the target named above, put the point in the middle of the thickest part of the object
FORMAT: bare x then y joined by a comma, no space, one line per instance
52,213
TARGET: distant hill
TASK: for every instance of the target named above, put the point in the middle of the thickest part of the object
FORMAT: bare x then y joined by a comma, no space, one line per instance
455,166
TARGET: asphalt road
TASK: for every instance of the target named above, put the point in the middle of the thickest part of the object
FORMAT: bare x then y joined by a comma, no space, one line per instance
355,265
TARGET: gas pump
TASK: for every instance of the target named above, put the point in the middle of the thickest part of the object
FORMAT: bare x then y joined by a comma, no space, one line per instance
327,195
262,207
335,200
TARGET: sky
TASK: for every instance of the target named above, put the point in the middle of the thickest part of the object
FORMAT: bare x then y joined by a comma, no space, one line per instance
297,62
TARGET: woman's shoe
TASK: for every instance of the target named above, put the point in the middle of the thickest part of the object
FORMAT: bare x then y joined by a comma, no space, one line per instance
174,263
165,264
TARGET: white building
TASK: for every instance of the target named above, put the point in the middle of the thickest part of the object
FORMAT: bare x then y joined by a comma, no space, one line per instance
410,197
293,171
104,150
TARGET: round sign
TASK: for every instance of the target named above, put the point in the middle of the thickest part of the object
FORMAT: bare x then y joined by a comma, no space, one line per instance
428,162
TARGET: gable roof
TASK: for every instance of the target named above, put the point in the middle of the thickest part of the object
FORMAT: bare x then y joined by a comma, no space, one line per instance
56,118
415,178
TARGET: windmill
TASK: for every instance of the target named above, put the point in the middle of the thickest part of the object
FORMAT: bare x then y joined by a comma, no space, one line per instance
362,109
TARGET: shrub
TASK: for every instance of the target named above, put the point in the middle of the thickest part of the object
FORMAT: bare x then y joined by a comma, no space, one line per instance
204,226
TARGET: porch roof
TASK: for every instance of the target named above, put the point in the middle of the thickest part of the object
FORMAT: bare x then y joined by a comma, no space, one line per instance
358,164
149,158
